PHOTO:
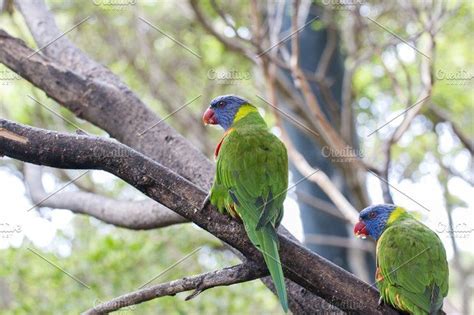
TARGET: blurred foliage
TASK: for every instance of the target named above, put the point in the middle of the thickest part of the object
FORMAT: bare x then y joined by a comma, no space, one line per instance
376,102
112,261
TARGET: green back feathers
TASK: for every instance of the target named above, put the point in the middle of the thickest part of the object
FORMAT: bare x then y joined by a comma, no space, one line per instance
412,261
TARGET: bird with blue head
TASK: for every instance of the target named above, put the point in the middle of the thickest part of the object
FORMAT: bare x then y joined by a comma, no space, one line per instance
373,220
412,271
223,110
251,178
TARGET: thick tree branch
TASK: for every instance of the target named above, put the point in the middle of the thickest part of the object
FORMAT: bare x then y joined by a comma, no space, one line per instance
228,276
135,215
50,41
314,273
98,99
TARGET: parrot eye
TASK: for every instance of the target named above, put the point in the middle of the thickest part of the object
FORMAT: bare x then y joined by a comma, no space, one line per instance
372,215
221,104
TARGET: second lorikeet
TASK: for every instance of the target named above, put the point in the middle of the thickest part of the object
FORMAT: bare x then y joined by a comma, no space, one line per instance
412,270
251,178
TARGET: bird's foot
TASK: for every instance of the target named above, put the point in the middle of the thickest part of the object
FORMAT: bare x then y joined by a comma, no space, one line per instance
206,201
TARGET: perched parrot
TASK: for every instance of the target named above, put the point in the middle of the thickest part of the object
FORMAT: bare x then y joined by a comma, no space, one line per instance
251,178
412,271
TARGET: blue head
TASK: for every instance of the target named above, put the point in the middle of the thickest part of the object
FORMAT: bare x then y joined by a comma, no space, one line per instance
222,110
373,220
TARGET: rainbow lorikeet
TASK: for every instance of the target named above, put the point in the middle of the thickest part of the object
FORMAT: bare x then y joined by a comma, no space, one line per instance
412,271
251,178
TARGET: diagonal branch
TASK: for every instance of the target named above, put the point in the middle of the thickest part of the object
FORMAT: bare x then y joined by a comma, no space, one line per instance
320,178
228,42
227,276
52,42
335,285
135,215
412,111
441,115
355,168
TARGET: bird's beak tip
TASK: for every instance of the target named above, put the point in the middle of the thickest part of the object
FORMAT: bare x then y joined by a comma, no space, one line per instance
209,117
360,229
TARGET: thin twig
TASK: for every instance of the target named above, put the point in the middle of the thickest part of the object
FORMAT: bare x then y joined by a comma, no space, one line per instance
224,277
442,115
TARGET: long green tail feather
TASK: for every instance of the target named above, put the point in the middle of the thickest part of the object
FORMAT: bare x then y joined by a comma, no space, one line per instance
269,248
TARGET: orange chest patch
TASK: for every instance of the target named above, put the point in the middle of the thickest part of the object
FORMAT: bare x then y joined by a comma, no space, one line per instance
378,275
218,147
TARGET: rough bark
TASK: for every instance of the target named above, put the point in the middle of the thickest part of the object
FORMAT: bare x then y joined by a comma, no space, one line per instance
95,94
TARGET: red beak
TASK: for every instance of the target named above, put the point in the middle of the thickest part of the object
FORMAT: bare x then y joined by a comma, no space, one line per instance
360,229
209,117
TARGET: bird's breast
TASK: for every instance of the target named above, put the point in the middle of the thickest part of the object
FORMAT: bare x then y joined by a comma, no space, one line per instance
218,147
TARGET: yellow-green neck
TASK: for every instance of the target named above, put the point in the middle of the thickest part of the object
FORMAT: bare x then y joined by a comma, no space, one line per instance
243,111
396,214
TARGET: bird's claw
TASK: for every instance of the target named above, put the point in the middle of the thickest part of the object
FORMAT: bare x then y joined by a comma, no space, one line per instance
380,303
206,201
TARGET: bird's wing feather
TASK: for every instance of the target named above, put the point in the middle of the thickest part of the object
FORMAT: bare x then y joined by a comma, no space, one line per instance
254,166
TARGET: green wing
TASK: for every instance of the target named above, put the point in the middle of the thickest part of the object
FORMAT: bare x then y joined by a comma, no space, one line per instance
412,260
252,178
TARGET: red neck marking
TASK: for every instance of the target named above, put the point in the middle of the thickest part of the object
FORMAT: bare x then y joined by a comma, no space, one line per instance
218,147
